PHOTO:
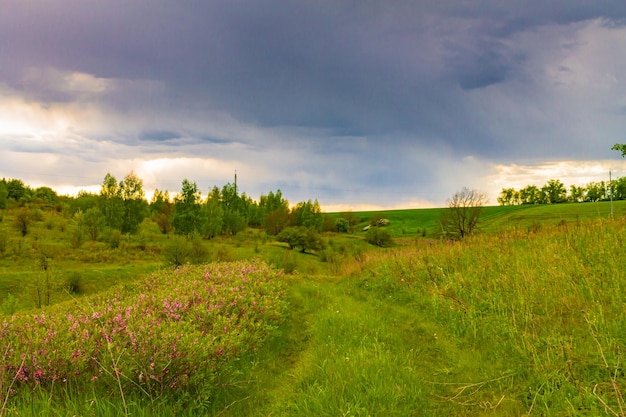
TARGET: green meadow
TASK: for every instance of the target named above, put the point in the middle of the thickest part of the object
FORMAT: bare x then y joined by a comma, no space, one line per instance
526,317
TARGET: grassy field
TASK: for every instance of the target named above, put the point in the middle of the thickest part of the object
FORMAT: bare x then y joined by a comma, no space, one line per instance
526,318
425,222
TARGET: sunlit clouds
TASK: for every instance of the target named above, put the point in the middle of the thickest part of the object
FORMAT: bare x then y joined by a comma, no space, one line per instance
356,104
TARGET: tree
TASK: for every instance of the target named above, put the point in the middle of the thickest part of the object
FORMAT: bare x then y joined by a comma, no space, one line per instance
111,203
351,218
509,197
93,221
276,221
77,229
186,217
162,208
342,225
462,215
22,222
233,222
17,190
161,202
84,201
596,191
300,237
378,236
554,192
4,195
213,213
619,188
45,196
576,194
530,195
133,203
620,147
274,211
308,214
234,210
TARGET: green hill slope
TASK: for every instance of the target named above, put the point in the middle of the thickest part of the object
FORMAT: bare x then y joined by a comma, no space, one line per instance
413,222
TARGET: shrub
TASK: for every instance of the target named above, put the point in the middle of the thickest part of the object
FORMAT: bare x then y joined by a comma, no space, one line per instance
302,238
114,238
22,222
287,261
379,237
142,241
198,251
178,251
343,225
223,254
163,221
74,283
328,255
9,306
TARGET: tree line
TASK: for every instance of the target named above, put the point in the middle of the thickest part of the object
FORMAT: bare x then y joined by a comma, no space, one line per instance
122,206
555,192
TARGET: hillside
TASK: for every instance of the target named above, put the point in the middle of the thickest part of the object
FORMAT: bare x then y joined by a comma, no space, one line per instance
406,223
525,318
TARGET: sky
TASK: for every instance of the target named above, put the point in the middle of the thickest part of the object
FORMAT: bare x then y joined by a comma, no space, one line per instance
359,104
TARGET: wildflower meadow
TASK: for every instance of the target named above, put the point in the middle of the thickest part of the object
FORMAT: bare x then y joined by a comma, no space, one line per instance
177,329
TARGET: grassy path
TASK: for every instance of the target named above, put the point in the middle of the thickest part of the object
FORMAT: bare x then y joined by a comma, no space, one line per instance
344,352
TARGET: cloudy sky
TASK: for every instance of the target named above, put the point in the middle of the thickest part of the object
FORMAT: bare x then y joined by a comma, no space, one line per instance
358,103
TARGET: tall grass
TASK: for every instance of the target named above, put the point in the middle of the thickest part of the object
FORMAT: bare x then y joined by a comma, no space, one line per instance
542,315
525,320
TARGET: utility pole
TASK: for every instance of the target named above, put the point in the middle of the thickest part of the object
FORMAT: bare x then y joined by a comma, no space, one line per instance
235,182
611,191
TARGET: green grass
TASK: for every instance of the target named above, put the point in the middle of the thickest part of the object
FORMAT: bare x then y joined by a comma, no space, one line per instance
411,222
525,318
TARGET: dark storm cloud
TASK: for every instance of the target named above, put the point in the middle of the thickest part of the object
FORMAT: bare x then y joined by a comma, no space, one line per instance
358,67
377,92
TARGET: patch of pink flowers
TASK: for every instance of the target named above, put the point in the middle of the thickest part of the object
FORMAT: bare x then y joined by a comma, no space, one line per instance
172,329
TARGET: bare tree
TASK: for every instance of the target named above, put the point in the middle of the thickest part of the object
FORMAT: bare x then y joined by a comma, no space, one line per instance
463,213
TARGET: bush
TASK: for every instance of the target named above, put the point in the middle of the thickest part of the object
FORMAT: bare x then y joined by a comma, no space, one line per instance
328,255
287,261
198,251
302,238
9,305
74,283
178,251
163,221
22,222
379,237
114,239
223,254
343,225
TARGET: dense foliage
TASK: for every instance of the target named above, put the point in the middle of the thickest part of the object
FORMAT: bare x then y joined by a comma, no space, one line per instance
122,206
